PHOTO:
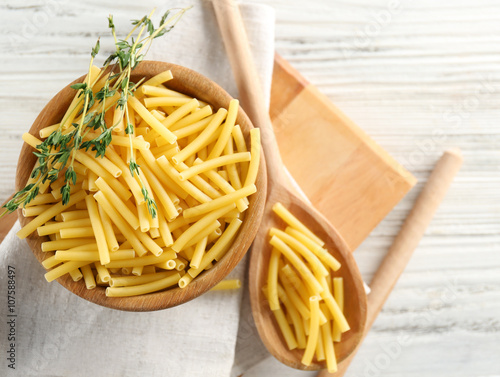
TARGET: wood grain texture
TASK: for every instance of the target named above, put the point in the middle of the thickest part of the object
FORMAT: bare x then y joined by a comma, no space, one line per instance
346,175
406,241
431,70
244,70
184,81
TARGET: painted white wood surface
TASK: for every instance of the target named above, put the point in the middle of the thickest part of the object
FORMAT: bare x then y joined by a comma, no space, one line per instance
417,76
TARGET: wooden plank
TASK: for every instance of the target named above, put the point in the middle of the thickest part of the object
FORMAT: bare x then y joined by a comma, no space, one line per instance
352,180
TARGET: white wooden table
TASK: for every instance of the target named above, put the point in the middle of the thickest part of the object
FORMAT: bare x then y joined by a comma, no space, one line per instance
419,77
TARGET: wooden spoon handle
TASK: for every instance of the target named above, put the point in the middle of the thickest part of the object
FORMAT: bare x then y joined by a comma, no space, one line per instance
248,82
6,221
407,240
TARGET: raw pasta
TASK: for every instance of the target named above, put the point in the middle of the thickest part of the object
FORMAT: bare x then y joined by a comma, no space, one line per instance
305,296
192,163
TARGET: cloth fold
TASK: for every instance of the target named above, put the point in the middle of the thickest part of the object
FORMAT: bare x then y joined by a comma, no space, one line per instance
60,334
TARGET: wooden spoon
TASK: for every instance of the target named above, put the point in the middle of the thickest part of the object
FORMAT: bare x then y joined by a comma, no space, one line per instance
196,85
251,97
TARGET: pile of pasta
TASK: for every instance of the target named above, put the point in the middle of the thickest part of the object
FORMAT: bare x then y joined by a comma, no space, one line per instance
302,292
195,166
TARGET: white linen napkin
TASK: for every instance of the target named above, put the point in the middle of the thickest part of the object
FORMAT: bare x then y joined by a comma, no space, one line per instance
57,333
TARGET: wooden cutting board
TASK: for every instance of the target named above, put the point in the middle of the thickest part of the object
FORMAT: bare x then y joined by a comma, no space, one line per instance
345,174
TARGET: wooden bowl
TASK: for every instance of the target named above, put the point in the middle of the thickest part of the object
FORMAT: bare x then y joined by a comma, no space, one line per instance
193,84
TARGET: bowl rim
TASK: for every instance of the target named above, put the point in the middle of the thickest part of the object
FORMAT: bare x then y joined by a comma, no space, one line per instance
187,81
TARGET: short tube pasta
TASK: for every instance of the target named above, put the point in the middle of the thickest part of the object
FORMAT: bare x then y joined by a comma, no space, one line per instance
214,163
142,289
227,285
313,331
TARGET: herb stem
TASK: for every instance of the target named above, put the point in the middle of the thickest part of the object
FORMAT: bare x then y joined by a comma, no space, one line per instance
61,146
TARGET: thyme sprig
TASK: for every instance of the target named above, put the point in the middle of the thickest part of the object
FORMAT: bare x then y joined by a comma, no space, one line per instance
57,153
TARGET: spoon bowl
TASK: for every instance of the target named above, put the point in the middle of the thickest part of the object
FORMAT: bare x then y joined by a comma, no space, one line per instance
354,295
196,85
